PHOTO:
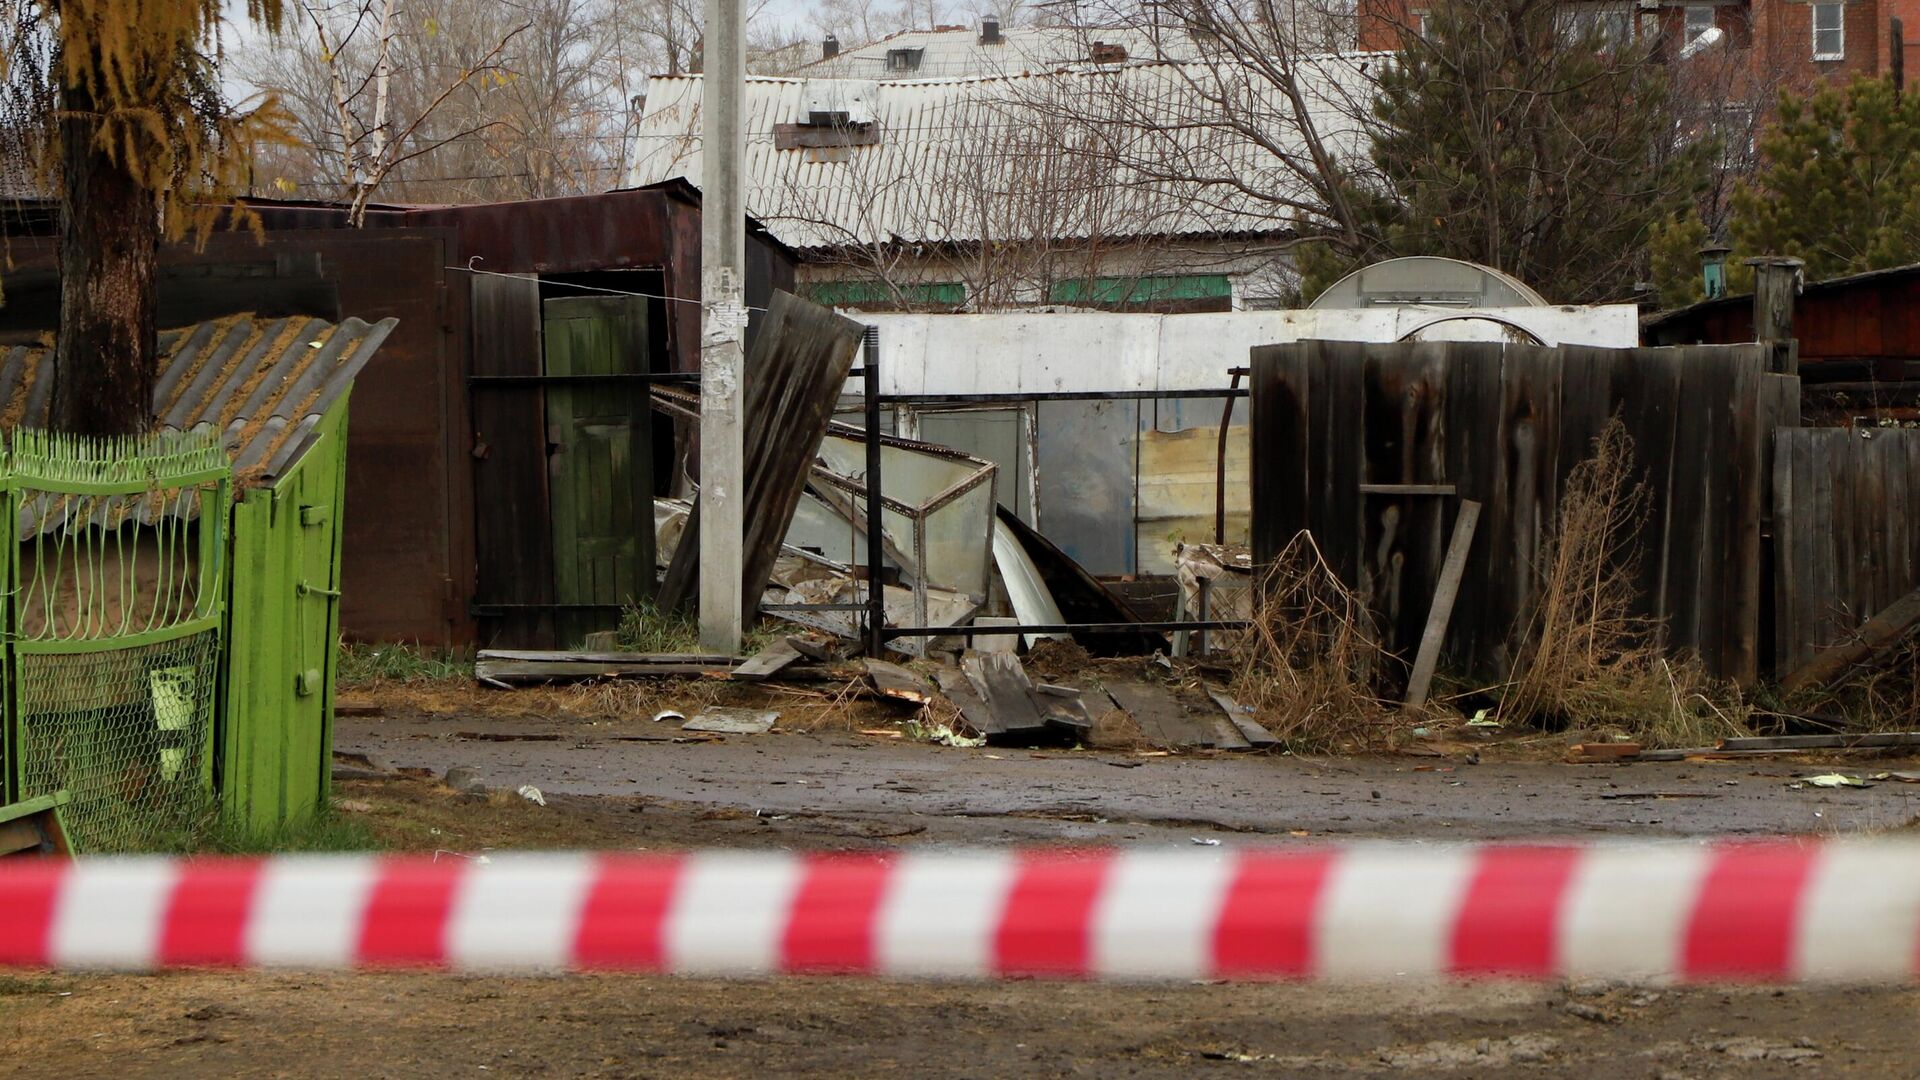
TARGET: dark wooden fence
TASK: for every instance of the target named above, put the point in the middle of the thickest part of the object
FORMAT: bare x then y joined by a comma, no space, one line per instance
1843,541
1372,447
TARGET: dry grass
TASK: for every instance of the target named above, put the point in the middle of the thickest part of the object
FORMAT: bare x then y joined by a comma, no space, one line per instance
1880,694
1310,666
1585,659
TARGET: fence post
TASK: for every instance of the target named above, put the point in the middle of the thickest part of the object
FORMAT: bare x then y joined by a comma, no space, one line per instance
1776,282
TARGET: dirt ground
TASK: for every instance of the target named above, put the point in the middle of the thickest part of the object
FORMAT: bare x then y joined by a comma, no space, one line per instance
613,778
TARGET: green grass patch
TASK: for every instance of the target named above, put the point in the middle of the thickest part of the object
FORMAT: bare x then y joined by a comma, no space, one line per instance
325,831
644,628
369,665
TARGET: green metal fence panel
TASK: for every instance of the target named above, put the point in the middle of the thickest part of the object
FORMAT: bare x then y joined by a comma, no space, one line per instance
117,586
276,729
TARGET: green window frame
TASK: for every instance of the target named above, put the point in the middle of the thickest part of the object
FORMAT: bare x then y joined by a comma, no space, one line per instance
856,293
1140,290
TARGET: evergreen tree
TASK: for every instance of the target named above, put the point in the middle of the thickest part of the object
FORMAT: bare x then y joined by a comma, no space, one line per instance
117,104
1838,186
1517,134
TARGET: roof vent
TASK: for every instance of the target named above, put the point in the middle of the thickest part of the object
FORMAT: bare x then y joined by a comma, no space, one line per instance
990,30
830,48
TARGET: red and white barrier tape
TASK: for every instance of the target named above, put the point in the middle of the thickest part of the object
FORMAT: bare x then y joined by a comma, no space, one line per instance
1845,910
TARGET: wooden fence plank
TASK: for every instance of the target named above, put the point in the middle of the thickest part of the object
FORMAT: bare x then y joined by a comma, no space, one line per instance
1442,607
1786,548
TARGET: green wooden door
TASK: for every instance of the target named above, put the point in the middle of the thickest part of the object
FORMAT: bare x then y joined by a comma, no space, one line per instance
599,460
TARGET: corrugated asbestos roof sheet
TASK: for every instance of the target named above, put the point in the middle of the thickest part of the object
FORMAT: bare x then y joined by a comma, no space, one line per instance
1109,151
1024,49
264,384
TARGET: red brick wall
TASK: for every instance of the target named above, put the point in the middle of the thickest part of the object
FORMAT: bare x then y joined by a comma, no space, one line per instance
1783,41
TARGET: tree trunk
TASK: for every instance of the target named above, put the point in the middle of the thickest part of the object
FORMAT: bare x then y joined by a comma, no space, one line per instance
109,247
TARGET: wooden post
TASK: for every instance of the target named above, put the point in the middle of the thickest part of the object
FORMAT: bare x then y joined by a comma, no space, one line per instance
1776,282
1443,596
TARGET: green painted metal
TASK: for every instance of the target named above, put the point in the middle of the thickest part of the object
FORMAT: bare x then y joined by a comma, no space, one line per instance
1140,290
599,460
951,294
115,567
276,726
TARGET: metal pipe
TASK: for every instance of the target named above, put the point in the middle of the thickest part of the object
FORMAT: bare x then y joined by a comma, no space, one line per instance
1220,470
1066,628
876,506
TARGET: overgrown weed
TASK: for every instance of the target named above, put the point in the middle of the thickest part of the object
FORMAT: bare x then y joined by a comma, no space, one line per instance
1585,659
1310,665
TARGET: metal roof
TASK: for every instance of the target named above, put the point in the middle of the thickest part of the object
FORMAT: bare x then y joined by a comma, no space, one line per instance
954,52
1012,159
264,384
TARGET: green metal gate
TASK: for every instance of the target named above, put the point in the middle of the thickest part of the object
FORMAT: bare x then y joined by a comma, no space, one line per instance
116,575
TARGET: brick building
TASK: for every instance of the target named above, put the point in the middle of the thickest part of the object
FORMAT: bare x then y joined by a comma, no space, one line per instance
1778,42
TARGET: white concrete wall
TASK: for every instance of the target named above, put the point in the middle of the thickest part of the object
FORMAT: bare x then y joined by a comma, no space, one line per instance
1104,352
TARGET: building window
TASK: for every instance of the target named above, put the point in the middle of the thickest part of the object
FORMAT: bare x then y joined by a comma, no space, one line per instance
904,59
879,296
1604,24
1185,292
1422,20
1829,31
1699,21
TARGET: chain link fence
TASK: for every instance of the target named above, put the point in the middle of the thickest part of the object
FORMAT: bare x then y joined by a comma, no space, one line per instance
117,572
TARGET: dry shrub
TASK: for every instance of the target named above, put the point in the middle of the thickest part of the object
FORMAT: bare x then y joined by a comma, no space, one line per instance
1585,659
1879,694
1309,664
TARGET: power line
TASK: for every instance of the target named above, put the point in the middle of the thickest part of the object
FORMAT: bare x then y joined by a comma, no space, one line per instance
590,288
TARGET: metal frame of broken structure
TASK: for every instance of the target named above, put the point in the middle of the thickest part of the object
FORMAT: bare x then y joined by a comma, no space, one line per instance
876,633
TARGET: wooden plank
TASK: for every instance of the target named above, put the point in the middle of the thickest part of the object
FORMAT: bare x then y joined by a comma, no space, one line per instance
795,371
1694,488
956,688
1871,741
1826,621
1786,550
1644,387
1476,446
1747,468
529,673
1442,608
580,657
1279,464
1809,532
1885,628
513,541
1530,419
1341,532
1256,735
1406,489
1162,719
897,682
768,661
1601,753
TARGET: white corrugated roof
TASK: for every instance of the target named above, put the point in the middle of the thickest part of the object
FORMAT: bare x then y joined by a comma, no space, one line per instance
955,53
1107,151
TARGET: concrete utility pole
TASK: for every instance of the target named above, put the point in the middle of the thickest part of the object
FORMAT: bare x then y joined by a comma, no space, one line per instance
723,324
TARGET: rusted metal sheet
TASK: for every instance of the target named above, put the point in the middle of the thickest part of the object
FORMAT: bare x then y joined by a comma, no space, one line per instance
1848,324
410,556
263,383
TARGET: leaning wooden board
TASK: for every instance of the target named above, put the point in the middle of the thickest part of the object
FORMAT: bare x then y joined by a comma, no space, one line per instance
1163,720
